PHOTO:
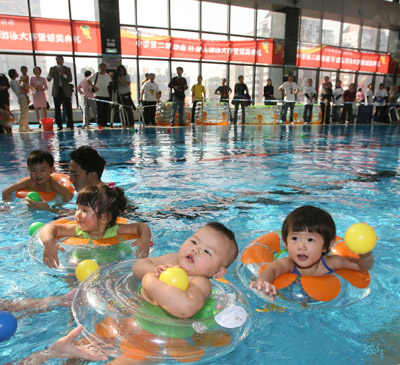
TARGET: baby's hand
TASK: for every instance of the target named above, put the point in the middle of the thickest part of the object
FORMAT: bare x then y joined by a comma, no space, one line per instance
159,269
265,286
143,247
50,254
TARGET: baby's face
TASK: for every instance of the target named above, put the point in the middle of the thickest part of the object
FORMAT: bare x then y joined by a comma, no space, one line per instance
204,253
40,172
305,248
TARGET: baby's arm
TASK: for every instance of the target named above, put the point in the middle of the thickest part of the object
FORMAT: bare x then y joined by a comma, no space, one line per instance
142,230
48,236
265,281
60,189
22,184
363,263
143,266
179,303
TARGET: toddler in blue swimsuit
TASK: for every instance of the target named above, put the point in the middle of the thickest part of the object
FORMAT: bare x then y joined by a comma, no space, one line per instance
308,233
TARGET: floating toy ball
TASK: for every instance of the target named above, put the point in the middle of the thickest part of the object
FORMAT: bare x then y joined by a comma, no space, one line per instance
303,136
34,227
33,195
175,276
85,268
8,326
360,238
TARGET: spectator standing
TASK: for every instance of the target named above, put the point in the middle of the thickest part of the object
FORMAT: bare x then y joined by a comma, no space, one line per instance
224,91
380,97
23,101
99,83
124,93
360,96
39,83
369,94
309,99
4,94
269,93
198,95
289,90
241,97
178,84
349,97
325,102
337,101
61,91
150,97
85,89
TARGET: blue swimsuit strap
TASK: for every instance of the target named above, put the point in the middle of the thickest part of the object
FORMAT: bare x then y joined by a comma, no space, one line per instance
330,271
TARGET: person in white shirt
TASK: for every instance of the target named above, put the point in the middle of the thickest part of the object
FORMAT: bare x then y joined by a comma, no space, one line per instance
150,97
309,99
99,83
369,94
289,90
89,103
23,101
337,102
380,97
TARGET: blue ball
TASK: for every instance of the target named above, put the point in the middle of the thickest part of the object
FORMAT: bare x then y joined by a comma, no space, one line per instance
8,325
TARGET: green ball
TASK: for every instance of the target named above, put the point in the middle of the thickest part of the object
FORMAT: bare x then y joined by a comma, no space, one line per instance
34,227
132,130
33,195
303,136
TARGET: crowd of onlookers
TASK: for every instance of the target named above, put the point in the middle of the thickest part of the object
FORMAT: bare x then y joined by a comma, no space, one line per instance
107,97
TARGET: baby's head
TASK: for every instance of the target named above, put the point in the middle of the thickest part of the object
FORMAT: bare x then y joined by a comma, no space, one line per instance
209,251
105,201
313,220
40,166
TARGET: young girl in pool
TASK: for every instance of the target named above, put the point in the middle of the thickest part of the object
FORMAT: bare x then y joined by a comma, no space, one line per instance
308,233
98,207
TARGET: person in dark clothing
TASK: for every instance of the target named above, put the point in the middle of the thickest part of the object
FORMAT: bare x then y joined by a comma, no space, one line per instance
269,93
178,84
349,97
4,86
325,102
241,95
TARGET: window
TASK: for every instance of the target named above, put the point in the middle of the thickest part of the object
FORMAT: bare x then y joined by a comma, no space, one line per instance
384,40
350,35
45,9
347,78
84,10
310,30
212,74
264,23
16,7
242,21
185,14
131,69
127,12
363,81
262,75
214,17
152,13
369,38
330,32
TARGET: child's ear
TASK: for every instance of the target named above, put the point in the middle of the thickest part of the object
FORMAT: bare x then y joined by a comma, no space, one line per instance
330,246
220,273
105,218
53,169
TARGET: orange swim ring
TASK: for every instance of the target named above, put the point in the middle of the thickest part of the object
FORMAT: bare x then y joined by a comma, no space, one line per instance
341,288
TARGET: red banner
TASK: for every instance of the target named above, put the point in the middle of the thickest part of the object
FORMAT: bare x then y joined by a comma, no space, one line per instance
336,58
49,35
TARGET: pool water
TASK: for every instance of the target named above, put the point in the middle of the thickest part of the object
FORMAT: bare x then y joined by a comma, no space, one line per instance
248,178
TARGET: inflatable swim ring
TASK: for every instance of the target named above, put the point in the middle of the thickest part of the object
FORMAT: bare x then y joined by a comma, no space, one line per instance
77,249
49,195
114,314
341,288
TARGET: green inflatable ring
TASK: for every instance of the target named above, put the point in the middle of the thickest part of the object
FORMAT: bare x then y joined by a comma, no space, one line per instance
102,255
157,321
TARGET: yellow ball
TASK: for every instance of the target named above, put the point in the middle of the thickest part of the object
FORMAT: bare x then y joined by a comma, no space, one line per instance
175,276
85,268
360,238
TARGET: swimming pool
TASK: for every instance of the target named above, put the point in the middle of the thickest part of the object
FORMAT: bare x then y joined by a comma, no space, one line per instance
249,178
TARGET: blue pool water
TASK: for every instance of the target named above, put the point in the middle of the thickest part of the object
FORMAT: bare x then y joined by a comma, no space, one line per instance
248,178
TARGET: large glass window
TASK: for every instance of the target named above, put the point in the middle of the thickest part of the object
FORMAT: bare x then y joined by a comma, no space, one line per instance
330,32
264,23
190,72
383,40
278,25
369,38
212,74
347,78
310,30
84,10
350,35
262,75
214,17
161,70
15,7
185,14
127,12
242,20
363,81
212,37
46,9
152,13
276,76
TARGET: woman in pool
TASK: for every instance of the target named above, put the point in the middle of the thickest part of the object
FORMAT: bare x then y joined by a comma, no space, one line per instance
98,207
308,233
